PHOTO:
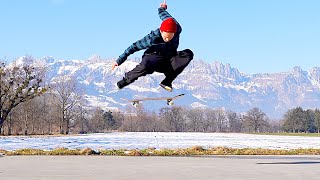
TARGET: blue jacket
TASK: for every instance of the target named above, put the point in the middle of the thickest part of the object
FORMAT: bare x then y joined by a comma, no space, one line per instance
154,43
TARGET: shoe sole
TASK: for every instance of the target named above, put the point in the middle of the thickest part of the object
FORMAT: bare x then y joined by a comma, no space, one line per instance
166,88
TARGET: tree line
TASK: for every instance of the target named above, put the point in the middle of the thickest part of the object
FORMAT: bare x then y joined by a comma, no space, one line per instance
298,120
47,115
28,106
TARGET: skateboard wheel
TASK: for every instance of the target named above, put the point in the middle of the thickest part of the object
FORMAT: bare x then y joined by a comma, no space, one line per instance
170,103
135,104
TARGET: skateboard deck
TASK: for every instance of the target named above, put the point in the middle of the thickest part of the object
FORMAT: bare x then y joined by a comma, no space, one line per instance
169,100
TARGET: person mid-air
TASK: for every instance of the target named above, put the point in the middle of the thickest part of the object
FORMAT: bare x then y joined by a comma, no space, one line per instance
161,53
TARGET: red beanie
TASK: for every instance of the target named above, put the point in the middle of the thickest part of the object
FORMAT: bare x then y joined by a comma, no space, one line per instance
169,25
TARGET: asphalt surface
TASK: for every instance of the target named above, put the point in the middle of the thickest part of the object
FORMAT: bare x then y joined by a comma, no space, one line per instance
116,167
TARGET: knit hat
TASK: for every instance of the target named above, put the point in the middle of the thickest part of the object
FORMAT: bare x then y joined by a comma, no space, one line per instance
169,25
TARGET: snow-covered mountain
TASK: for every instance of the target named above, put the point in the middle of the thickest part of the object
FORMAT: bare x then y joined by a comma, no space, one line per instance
213,85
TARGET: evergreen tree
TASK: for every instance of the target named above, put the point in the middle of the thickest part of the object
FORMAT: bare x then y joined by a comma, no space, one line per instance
317,120
107,116
308,126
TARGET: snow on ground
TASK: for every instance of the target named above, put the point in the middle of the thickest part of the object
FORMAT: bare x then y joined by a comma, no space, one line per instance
158,140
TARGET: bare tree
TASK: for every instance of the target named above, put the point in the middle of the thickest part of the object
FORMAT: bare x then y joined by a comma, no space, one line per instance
19,83
221,120
173,119
235,123
82,117
255,119
48,112
155,124
131,119
195,119
97,122
142,120
68,96
210,122
27,116
275,126
9,124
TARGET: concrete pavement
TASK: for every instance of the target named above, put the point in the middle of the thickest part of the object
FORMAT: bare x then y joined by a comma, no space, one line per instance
116,167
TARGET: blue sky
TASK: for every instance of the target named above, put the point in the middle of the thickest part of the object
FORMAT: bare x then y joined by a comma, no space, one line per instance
255,36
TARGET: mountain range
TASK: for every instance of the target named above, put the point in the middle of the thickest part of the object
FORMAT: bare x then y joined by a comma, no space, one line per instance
212,85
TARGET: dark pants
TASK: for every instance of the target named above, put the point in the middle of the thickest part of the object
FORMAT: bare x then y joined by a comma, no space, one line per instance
170,66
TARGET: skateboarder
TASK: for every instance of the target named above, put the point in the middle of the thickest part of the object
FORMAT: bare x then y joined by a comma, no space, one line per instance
161,53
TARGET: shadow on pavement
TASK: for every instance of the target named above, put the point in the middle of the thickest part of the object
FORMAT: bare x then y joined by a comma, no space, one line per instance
302,162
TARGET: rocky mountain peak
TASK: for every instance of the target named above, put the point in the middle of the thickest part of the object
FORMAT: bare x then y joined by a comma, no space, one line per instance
213,85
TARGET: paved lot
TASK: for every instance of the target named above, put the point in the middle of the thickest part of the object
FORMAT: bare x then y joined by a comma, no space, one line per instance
110,167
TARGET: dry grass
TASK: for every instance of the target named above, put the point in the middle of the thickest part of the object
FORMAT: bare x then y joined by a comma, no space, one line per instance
193,151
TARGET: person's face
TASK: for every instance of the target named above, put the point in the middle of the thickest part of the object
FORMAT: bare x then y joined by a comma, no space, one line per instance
167,36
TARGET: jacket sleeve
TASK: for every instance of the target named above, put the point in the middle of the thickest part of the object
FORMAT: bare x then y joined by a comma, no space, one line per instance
143,43
163,14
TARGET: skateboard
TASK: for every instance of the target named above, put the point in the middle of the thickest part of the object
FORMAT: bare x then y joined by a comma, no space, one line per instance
169,100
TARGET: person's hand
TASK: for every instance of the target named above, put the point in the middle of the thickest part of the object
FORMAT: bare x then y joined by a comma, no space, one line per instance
114,64
164,5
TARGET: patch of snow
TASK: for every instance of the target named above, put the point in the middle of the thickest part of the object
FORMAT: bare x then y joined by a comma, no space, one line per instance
86,82
96,102
101,84
158,140
70,69
198,105
200,97
95,66
142,89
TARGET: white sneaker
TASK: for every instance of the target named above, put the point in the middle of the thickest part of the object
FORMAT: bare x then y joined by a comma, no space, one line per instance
168,88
